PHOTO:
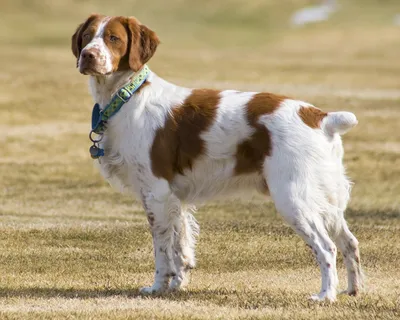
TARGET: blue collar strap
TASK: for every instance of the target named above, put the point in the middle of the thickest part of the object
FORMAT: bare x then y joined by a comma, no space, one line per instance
100,117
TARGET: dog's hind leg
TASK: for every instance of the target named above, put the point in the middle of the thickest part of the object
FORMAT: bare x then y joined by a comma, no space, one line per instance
311,229
184,248
315,235
163,213
348,245
302,206
346,241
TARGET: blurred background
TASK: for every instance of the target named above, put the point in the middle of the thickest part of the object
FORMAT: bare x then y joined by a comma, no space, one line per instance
234,40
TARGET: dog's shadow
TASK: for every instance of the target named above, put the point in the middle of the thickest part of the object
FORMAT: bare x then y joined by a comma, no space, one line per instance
223,296
72,293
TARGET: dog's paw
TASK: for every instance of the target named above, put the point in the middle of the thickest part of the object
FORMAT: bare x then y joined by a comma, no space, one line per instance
154,289
324,296
348,292
177,283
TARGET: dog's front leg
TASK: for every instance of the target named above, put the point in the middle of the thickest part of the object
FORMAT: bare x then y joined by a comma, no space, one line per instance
163,210
185,240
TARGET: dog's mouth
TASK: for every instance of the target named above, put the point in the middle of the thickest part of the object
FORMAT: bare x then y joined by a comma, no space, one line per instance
92,69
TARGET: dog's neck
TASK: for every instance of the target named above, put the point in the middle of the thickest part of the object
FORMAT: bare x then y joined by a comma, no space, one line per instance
105,86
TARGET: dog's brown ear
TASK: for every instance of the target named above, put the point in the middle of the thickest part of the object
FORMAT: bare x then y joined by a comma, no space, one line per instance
149,42
76,40
143,43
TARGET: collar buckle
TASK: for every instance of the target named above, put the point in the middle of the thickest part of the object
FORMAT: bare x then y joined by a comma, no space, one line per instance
119,96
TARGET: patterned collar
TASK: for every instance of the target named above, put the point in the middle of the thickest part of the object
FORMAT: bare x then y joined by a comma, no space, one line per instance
100,117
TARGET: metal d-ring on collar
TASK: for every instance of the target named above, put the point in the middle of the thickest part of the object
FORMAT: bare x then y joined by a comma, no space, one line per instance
95,151
93,139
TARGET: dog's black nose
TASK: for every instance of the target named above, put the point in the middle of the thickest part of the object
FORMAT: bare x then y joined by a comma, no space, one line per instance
88,55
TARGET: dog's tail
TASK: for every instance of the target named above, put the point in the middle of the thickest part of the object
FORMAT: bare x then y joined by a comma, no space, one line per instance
338,122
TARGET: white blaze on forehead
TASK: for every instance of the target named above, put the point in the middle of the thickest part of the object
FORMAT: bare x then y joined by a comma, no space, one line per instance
102,27
104,58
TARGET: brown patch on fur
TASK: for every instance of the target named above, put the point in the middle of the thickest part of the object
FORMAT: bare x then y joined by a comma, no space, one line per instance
135,45
119,48
142,44
178,143
312,116
250,154
88,27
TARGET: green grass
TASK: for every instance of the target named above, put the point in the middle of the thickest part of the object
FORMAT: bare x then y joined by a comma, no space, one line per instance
71,247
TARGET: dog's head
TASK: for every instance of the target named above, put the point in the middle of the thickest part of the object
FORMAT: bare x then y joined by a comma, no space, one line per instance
103,45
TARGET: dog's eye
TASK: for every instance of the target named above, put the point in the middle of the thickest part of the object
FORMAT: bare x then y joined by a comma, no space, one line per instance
114,38
86,36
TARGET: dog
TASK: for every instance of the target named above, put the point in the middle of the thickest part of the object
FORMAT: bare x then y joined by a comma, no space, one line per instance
172,146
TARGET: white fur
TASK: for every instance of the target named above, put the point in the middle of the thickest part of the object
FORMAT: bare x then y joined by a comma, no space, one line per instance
97,45
304,174
338,122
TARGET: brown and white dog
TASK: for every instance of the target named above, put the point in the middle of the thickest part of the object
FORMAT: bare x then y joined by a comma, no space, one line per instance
170,146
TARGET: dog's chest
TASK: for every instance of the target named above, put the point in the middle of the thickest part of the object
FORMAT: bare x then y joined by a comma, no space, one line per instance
126,162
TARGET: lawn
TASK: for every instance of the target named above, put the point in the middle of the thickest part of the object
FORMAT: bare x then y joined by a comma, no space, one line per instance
71,247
